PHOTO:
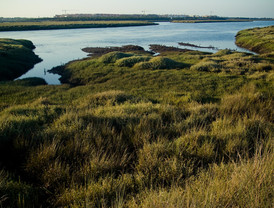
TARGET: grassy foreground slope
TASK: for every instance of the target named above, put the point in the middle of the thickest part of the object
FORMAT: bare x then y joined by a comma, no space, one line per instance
16,58
183,129
259,40
50,25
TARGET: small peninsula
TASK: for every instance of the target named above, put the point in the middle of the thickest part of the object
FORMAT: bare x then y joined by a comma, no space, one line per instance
259,40
16,58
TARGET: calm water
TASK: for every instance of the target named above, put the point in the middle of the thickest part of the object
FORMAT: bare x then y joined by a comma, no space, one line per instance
57,47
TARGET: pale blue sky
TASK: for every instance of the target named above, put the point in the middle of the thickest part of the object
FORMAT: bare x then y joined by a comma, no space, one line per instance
48,8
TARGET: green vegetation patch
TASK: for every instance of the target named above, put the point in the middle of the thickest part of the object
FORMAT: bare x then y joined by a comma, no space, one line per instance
159,63
233,62
16,58
156,76
259,40
131,61
111,147
112,57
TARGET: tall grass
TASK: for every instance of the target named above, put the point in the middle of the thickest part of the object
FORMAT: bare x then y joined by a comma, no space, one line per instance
244,184
121,136
109,148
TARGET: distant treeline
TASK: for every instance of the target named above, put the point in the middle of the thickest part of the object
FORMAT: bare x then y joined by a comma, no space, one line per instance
130,17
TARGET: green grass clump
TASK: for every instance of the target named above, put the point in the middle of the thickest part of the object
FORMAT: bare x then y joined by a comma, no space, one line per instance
131,61
206,66
159,63
108,98
223,52
112,57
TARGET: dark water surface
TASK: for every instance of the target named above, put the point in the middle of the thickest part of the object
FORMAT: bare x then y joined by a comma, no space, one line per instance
58,47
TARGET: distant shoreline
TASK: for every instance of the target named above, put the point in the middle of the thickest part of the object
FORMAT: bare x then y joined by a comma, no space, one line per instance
212,21
56,25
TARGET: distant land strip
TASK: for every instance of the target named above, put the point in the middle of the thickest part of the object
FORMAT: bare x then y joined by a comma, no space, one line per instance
52,25
212,21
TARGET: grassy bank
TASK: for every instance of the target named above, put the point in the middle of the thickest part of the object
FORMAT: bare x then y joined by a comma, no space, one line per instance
129,129
259,40
51,25
16,58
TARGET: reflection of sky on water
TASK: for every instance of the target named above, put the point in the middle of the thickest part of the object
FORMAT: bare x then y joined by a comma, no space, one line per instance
58,47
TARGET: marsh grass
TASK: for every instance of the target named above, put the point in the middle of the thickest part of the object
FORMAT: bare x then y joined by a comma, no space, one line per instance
109,148
159,63
244,184
131,61
233,62
259,40
121,136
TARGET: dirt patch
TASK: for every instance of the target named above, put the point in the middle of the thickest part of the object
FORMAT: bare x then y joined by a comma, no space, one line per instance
196,46
162,48
98,51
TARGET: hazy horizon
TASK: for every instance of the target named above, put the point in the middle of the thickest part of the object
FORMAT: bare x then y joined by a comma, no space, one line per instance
225,8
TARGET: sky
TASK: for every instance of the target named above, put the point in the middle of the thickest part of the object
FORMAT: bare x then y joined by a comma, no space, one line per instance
225,8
